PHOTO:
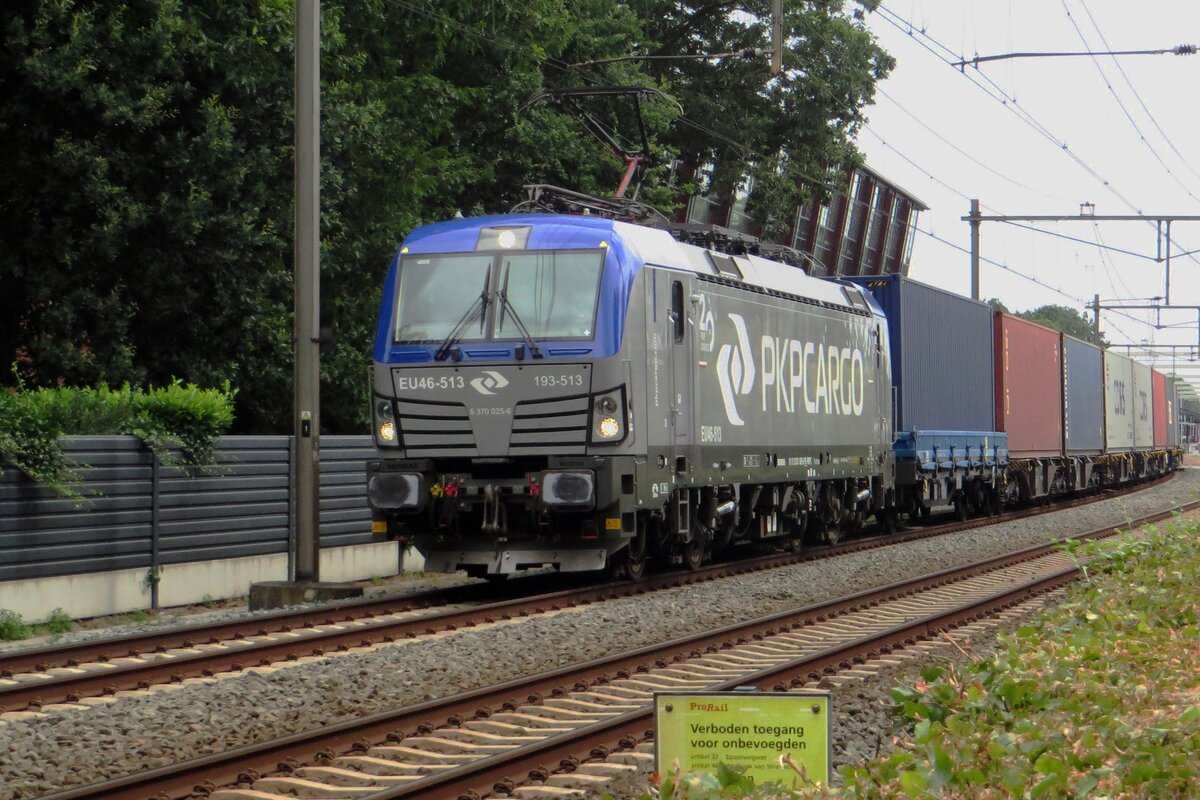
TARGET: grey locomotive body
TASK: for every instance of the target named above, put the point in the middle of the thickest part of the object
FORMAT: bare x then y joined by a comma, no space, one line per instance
620,396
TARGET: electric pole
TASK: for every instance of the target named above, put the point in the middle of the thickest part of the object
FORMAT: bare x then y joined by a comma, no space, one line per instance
777,37
306,372
974,218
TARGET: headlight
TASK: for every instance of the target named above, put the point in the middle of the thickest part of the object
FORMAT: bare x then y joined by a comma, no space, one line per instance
394,490
608,418
608,428
386,433
569,489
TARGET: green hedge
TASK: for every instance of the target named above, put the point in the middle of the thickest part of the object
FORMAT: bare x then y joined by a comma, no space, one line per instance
180,422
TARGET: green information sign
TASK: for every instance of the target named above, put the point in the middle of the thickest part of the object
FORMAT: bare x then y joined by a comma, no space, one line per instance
768,736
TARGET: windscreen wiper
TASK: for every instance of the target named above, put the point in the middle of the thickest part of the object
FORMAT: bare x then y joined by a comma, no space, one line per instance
507,307
480,307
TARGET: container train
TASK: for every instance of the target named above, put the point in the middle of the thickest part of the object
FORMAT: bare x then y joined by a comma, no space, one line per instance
588,393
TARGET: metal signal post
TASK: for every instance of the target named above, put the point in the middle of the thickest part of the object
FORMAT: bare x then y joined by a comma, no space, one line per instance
305,334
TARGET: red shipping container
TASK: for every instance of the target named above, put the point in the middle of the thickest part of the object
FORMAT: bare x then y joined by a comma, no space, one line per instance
1158,382
1029,389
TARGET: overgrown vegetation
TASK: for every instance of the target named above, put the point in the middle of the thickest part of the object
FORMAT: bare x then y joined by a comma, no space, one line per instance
59,622
1098,697
181,423
14,628
146,177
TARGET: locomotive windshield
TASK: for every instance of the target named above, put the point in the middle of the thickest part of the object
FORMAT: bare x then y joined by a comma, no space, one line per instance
552,293
436,292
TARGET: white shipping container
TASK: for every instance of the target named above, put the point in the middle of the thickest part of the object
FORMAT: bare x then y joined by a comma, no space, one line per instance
1173,412
1118,402
1142,407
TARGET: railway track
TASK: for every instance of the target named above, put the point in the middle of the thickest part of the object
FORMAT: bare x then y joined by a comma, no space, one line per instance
579,725
90,672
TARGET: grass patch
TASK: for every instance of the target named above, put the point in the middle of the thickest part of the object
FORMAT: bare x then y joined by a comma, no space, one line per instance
59,622
12,627
1097,697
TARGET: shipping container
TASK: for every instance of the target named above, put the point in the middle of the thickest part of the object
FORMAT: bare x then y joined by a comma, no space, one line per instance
1172,412
1083,397
1158,382
1143,408
1029,377
941,346
1118,402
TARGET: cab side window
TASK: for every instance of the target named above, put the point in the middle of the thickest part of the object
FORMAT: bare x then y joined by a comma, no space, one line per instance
677,317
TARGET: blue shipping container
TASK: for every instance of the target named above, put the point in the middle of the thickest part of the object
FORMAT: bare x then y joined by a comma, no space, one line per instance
1083,397
942,355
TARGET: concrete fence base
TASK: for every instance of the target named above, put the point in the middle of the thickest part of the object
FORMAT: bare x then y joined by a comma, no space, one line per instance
95,594
205,536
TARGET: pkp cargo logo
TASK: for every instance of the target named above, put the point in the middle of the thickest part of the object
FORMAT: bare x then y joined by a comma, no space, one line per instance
490,380
735,369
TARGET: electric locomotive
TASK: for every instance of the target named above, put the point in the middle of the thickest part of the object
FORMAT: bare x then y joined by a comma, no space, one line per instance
586,393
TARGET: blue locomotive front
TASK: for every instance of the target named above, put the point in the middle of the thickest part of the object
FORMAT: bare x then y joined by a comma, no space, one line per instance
501,394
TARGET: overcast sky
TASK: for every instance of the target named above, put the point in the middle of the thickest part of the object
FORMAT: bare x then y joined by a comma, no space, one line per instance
938,134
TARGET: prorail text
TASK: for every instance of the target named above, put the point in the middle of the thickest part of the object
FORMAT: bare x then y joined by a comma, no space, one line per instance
830,380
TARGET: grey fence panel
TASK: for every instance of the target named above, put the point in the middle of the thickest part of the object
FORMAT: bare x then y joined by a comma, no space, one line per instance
241,507
345,517
203,517
43,535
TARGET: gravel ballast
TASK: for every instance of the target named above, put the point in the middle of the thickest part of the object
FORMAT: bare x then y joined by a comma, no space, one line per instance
147,730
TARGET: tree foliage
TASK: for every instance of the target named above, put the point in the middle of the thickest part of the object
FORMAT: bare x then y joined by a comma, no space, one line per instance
146,180
1060,318
1067,320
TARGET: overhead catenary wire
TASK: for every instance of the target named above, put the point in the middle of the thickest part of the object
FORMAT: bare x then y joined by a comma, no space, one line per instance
923,39
1121,104
997,93
1137,95
1098,245
1032,279
880,90
932,45
1070,238
1109,263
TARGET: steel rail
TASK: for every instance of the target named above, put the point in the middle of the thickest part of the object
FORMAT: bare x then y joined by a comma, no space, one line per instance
157,669
244,764
479,778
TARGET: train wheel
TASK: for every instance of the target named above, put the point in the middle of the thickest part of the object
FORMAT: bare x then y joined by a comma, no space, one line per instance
635,553
693,553
961,509
794,543
993,502
889,520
